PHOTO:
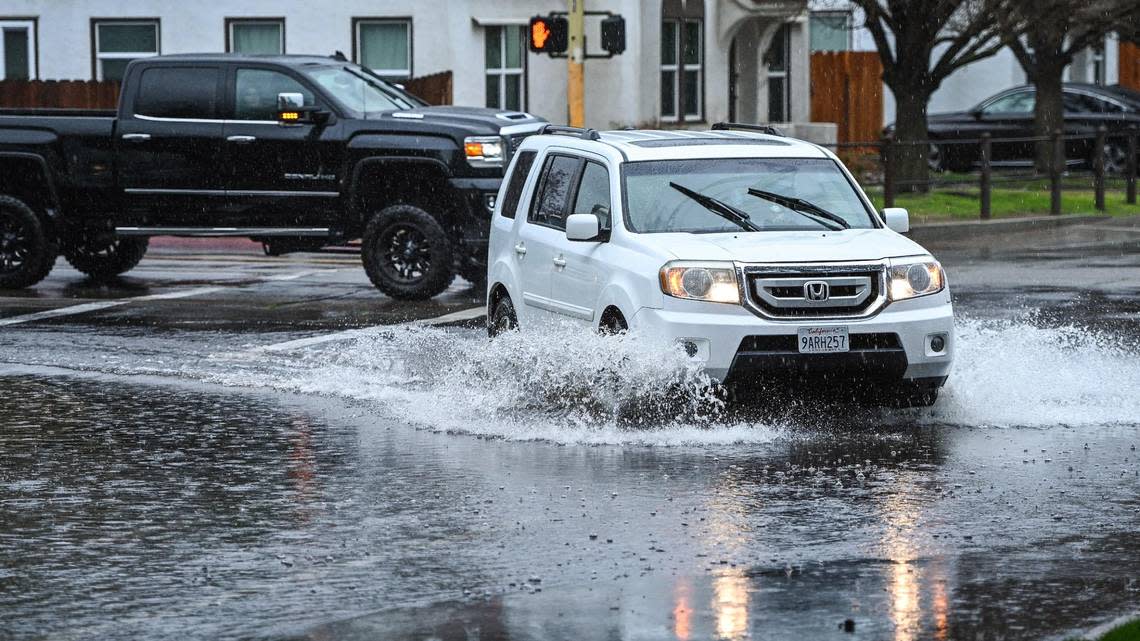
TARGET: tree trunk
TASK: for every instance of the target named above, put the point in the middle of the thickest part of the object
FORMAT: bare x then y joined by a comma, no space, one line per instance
912,173
1048,111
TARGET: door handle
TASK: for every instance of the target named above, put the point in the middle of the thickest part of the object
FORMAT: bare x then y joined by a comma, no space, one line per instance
559,261
241,140
520,249
136,137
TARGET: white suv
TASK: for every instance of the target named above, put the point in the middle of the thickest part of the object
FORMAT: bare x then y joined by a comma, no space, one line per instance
759,254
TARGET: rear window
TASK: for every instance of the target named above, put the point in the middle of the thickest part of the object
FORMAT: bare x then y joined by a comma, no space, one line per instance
178,92
515,186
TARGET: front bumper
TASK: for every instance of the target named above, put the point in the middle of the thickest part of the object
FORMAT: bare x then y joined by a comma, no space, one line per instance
737,345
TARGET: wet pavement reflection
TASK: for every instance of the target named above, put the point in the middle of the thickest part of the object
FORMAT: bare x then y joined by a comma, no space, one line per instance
173,510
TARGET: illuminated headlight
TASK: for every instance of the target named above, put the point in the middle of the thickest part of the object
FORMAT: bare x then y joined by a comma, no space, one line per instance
484,151
713,282
911,277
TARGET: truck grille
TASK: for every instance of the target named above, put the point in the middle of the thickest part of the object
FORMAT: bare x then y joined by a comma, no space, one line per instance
815,291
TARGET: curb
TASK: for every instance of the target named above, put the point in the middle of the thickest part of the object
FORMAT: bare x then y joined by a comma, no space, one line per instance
970,229
1099,631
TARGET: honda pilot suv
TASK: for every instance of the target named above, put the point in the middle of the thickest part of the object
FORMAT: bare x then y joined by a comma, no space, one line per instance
757,254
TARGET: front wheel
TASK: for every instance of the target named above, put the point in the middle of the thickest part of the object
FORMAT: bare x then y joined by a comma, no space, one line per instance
104,255
406,253
502,318
27,250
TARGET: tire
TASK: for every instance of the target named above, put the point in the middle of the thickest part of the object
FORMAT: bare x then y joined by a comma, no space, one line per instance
104,256
1115,158
612,323
503,318
406,253
27,249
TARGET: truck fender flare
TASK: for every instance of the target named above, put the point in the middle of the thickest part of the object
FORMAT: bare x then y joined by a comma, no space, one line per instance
49,182
372,162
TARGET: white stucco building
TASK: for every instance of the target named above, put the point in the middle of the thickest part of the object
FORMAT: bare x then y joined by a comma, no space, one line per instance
687,61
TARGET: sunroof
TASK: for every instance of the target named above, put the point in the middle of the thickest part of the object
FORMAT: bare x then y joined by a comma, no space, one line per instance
685,142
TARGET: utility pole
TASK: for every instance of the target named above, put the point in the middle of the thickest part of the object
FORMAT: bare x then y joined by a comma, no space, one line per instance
575,77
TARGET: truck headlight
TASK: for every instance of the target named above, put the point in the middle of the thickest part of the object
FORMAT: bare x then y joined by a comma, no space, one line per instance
912,277
713,282
484,151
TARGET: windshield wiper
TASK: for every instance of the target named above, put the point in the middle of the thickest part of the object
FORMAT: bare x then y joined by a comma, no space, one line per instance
720,208
808,209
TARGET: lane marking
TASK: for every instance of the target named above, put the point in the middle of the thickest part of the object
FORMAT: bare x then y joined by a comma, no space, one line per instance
461,315
83,308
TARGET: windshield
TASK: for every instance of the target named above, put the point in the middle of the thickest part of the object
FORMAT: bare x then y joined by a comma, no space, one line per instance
360,91
653,206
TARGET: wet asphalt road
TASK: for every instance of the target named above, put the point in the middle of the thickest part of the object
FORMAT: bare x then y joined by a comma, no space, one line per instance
263,448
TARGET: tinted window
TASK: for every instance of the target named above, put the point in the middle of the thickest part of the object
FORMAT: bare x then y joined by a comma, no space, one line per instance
178,92
550,208
256,93
1015,103
515,187
594,194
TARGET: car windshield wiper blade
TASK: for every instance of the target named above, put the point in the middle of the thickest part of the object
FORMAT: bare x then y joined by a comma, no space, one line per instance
801,206
720,208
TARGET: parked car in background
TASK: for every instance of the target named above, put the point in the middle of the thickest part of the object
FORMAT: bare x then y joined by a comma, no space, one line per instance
1009,114
296,152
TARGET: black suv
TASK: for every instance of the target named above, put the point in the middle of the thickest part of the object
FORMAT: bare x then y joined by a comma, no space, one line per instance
297,152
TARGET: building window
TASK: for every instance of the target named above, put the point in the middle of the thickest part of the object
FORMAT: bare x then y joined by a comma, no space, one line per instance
777,56
384,46
19,49
830,31
682,61
263,35
117,42
505,62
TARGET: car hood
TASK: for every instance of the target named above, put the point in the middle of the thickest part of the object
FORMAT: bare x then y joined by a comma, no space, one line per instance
474,119
790,246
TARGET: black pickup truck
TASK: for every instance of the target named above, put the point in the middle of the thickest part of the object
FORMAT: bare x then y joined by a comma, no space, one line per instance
297,152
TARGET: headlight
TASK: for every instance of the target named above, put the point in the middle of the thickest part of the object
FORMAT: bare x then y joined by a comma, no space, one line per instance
911,277
713,282
484,151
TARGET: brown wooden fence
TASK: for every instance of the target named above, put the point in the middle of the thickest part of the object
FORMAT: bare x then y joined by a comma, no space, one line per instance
58,94
436,89
1130,65
847,89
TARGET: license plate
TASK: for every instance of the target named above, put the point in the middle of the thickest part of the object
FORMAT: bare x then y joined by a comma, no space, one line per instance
823,340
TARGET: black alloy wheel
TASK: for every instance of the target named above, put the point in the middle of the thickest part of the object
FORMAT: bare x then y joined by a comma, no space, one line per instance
406,253
27,252
103,256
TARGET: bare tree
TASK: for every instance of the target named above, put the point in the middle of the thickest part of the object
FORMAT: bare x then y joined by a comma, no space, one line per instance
920,43
1053,33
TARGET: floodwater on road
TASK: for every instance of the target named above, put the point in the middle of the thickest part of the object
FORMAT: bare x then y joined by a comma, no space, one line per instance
182,479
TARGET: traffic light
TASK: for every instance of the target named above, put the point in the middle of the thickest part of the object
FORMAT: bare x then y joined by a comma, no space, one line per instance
613,35
549,34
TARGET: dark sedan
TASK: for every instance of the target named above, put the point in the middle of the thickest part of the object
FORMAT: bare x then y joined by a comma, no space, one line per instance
1009,114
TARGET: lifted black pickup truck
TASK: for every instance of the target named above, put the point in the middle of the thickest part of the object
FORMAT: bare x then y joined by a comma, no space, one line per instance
297,152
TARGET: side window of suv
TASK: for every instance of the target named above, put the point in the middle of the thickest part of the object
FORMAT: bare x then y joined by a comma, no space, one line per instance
255,93
550,207
518,179
178,92
593,195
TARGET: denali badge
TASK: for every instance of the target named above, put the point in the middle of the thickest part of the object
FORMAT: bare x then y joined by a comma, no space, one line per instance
816,290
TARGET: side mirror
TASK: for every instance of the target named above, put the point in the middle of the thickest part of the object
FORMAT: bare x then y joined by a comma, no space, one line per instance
291,110
582,227
897,218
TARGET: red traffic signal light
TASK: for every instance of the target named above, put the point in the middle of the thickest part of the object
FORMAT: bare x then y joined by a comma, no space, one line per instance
549,34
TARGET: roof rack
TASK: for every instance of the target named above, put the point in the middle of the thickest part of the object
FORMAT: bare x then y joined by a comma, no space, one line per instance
565,130
763,129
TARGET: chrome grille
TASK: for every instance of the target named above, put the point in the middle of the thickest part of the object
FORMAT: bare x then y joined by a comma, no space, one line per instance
841,290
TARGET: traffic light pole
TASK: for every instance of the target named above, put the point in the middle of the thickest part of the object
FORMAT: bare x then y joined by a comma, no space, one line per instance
575,77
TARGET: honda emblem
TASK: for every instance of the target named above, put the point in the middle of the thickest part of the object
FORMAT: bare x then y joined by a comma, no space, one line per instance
816,291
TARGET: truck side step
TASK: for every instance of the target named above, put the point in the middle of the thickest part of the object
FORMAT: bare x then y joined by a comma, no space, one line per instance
218,232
